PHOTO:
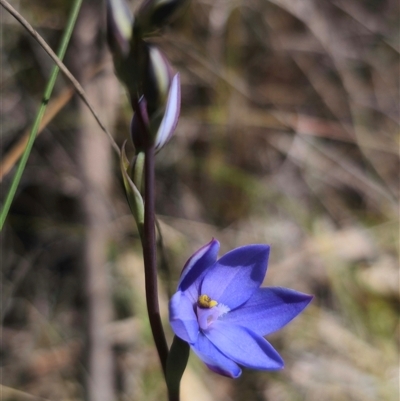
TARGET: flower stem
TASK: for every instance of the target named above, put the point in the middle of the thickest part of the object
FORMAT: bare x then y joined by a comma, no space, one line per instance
149,255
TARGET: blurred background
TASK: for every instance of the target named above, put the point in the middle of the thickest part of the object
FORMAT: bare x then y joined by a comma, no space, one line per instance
289,135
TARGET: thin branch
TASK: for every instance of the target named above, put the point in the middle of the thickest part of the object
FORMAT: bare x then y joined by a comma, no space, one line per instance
61,66
13,155
53,108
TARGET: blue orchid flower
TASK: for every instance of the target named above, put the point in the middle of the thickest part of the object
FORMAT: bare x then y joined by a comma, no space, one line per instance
221,311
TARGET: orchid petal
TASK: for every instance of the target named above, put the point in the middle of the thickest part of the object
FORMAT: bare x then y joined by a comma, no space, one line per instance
269,309
237,275
214,359
182,318
196,267
244,347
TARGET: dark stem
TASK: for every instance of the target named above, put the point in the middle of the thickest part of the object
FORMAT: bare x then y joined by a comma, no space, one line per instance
150,264
148,237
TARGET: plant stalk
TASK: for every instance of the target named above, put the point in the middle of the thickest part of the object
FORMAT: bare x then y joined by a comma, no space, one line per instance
150,261
40,113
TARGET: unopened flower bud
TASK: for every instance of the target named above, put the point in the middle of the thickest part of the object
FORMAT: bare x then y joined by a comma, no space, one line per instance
158,75
140,126
119,27
154,14
162,130
171,114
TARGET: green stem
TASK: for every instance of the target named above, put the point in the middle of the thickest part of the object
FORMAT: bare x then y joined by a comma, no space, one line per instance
46,97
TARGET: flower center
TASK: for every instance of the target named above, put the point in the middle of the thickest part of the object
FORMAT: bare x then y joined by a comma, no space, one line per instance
208,311
204,301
